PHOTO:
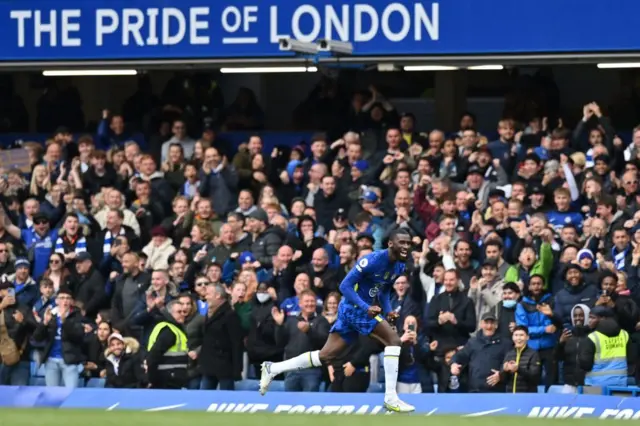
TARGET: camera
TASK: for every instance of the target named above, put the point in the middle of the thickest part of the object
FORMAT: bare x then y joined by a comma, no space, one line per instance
335,47
290,45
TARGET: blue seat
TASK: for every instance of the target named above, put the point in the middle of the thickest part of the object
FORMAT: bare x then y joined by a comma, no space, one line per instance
95,383
277,386
249,385
376,388
541,389
36,381
556,389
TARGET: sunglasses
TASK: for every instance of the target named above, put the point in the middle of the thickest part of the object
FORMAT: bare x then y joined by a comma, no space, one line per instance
54,262
202,284
4,251
40,222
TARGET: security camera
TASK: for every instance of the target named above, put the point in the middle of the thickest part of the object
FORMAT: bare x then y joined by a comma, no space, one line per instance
290,45
335,47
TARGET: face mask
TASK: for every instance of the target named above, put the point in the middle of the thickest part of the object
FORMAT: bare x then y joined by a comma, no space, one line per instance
509,303
263,297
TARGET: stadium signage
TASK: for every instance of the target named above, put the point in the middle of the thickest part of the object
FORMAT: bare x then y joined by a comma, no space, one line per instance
295,408
34,30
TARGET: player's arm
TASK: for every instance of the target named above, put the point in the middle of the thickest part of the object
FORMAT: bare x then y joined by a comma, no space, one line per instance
355,275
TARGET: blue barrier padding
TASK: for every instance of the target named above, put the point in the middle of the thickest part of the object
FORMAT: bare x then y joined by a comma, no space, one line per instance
538,405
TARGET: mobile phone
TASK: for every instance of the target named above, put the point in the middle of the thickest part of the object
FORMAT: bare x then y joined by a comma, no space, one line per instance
11,292
154,294
412,327
117,242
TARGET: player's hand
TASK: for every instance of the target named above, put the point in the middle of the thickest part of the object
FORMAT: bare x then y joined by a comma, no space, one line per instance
331,373
455,369
374,310
433,345
550,329
349,369
392,317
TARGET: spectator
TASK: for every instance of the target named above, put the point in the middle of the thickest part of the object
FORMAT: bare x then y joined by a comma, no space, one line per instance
299,334
88,286
167,357
128,290
571,340
16,324
124,366
180,136
483,355
26,289
506,310
266,238
63,332
97,347
521,365
218,180
221,353
159,250
609,352
451,315
535,311
575,291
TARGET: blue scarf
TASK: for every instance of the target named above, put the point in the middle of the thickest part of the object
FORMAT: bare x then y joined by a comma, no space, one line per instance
619,258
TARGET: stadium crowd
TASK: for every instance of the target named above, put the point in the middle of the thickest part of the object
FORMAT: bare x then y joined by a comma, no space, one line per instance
162,270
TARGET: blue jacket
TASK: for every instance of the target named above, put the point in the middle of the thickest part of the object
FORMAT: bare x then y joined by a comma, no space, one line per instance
527,315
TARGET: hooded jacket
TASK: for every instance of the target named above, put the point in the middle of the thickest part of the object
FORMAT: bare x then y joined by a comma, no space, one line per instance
569,351
527,314
125,371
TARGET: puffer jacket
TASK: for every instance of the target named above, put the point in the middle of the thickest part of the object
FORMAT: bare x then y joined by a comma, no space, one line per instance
570,296
528,315
526,379
158,256
266,245
125,371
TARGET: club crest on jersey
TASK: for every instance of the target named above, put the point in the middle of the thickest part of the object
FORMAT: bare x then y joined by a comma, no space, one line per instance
375,290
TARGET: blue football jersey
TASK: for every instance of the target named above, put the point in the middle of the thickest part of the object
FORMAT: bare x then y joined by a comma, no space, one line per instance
372,278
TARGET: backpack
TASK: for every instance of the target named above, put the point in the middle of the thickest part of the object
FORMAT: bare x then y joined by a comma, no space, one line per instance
10,354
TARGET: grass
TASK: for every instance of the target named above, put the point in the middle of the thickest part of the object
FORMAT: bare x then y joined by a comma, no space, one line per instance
53,417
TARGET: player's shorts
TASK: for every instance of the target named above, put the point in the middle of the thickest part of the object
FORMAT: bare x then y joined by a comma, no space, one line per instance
352,321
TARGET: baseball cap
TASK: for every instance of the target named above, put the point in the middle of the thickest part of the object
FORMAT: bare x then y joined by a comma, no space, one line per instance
340,214
40,217
602,311
82,256
365,235
369,196
475,170
490,262
116,336
488,317
246,257
537,189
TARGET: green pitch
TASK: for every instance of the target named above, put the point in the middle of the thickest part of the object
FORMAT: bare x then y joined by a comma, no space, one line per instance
42,417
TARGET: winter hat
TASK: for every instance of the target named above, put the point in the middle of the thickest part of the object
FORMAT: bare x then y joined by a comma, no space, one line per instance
585,253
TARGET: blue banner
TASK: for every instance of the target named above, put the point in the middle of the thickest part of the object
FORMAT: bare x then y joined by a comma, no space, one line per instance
148,29
529,405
